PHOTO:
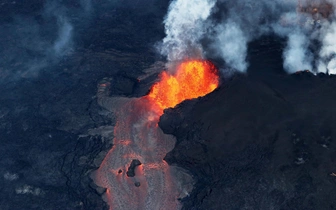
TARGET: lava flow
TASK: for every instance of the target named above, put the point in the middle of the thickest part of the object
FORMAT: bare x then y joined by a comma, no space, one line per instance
133,171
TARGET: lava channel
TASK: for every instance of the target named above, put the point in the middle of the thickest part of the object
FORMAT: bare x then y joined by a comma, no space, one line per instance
153,184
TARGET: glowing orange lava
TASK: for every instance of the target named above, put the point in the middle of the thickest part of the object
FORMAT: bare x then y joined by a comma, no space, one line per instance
193,78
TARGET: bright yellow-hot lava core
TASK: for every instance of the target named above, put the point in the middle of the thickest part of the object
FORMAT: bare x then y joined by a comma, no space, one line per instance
193,79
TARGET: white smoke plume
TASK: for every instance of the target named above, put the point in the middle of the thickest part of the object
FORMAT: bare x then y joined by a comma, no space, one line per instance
296,55
232,45
185,26
283,19
240,22
232,24
328,50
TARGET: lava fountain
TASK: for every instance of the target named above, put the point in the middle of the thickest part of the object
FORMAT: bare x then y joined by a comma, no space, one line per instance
133,171
193,79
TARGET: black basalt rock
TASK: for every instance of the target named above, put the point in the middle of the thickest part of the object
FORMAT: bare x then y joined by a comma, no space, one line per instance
258,143
131,169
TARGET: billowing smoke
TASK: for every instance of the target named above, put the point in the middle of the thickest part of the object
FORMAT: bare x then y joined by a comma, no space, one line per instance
328,50
238,23
232,45
185,26
296,55
232,24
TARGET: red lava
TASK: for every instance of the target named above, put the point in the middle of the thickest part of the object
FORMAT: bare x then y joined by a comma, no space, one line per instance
137,136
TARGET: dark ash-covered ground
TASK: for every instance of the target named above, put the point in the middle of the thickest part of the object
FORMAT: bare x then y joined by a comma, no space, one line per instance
259,142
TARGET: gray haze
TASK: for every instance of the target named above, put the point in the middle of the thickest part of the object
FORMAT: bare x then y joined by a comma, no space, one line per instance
38,39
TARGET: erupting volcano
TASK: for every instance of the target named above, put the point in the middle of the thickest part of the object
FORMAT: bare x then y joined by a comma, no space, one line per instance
134,172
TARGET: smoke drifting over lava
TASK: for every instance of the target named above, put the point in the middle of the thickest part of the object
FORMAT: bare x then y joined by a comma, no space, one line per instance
309,27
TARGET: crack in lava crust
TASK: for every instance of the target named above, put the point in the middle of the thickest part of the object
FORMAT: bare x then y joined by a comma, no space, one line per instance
138,136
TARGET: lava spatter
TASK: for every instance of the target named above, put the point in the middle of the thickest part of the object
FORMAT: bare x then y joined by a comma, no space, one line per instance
137,136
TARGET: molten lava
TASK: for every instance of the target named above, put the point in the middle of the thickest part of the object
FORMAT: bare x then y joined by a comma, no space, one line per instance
193,79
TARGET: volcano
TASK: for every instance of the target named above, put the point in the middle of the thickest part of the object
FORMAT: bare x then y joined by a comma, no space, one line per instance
262,139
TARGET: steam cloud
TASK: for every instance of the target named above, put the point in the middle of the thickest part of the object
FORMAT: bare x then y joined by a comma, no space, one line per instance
296,54
328,51
232,45
231,25
185,26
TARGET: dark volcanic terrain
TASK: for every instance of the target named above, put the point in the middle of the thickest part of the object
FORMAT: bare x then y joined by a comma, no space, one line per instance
265,140
259,143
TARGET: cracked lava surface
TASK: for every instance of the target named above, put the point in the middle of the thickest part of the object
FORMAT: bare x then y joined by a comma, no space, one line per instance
137,136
